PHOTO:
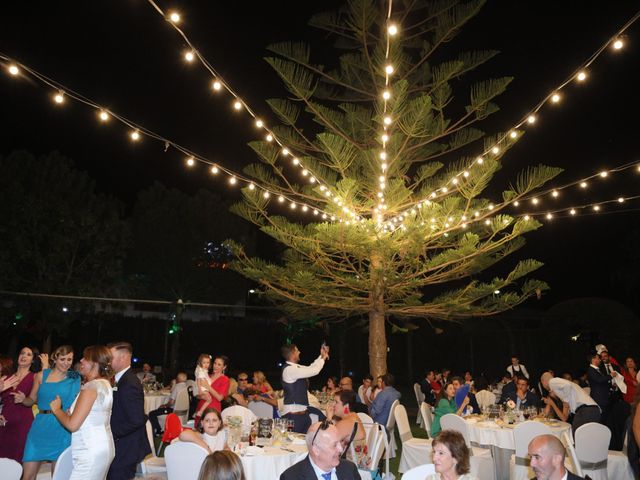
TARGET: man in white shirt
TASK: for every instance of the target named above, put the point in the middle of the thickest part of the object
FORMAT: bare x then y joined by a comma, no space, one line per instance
146,376
547,459
295,385
517,367
584,408
167,407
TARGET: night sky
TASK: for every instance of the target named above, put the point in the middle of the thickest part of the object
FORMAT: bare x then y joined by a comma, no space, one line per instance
123,55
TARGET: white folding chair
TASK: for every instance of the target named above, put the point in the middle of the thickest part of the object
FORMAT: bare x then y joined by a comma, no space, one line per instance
568,444
419,398
420,472
415,451
377,445
391,428
427,417
184,460
481,459
64,466
367,423
261,409
485,399
11,470
519,465
180,407
152,463
596,460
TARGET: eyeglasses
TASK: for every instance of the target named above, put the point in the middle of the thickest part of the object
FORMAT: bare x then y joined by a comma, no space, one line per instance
243,379
323,426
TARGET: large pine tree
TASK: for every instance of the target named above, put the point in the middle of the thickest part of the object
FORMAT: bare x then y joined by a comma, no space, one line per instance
412,234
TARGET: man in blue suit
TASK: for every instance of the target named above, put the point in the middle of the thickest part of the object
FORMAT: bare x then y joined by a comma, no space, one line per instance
128,421
521,396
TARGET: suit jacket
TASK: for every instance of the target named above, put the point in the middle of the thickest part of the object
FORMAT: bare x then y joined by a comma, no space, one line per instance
570,476
508,389
128,422
303,470
600,384
531,400
427,389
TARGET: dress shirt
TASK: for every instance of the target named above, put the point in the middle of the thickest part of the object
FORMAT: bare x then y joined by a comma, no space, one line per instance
293,372
118,375
520,368
570,393
319,471
173,396
381,406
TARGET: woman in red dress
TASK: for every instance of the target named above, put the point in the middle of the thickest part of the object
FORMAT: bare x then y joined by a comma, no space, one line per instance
630,375
219,387
16,419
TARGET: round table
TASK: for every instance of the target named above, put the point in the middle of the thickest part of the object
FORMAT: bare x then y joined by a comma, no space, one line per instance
501,440
154,400
272,461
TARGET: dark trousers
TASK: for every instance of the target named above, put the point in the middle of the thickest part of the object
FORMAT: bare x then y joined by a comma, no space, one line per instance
585,414
123,473
153,417
301,421
615,416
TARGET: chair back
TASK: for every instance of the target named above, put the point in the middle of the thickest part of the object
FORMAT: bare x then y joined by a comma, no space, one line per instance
248,417
150,438
184,460
391,421
524,433
367,423
64,466
418,392
427,417
592,442
420,472
11,470
193,385
451,421
376,444
402,422
181,407
361,392
261,409
568,443
172,428
485,398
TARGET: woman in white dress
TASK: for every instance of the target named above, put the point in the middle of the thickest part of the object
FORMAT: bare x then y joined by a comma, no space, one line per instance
92,446
450,457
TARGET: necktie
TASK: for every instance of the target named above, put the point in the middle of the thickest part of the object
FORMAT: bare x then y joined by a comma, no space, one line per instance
326,476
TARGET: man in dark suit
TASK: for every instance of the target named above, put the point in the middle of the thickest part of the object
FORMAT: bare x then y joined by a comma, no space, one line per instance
427,389
323,461
547,459
521,396
599,382
128,421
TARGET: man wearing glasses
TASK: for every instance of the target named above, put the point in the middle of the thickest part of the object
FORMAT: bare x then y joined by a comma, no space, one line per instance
323,462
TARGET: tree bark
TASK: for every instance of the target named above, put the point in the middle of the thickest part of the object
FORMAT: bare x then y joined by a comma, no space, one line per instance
377,334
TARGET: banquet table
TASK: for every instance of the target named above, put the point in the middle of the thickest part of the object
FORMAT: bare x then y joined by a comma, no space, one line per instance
269,462
153,400
501,440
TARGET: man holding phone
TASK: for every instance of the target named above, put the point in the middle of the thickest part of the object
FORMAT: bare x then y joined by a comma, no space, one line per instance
295,385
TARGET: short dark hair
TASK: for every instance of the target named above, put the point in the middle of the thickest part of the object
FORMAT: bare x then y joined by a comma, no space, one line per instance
287,350
368,377
121,346
454,441
347,397
458,378
388,379
519,376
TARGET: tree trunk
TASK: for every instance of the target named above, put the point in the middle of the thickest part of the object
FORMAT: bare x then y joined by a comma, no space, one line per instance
377,334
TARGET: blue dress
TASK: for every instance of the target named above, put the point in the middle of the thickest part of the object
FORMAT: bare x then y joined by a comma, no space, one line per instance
47,439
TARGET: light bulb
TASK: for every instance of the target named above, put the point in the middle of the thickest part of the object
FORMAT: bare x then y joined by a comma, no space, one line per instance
285,152
281,199
581,76
555,193
620,199
465,174
393,29
454,181
382,186
618,44
104,116
324,216
495,150
237,105
305,208
527,217
487,222
549,216
333,218
383,155
381,178
232,180
252,186
480,160
603,174
572,211
215,170
305,172
189,56
266,194
312,179
596,208
13,70
445,189
259,123
555,98
322,188
583,184
59,98
135,135
513,134
516,203
293,206
315,212
216,85
190,162
388,69
386,94
387,120
534,201
383,166
491,207
295,161
385,138
269,138
380,194
174,17
531,119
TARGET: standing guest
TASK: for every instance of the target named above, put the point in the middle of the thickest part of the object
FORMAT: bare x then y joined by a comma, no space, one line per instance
16,418
128,421
630,374
349,427
583,407
617,410
211,435
364,390
427,388
146,376
547,459
167,407
381,406
598,381
47,438
347,384
517,367
203,382
522,397
446,404
451,457
446,373
222,465
218,388
92,446
294,385
323,461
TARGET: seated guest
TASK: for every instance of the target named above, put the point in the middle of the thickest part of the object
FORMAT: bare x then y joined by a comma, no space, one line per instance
167,407
468,378
450,457
222,465
547,459
583,407
146,376
260,383
243,383
323,461
555,408
237,410
349,427
365,390
508,390
523,397
331,386
427,388
457,383
211,436
446,404
381,406
347,384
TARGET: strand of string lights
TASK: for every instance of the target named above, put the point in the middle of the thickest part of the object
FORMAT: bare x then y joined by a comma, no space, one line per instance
239,104
137,132
579,75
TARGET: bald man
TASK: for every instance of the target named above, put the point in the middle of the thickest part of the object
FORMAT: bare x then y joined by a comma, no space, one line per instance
323,462
547,459
583,407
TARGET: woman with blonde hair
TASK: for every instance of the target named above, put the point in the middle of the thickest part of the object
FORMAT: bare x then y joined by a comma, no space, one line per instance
92,448
47,438
222,465
260,383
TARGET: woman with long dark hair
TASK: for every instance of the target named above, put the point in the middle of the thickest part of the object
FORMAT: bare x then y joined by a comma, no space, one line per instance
219,386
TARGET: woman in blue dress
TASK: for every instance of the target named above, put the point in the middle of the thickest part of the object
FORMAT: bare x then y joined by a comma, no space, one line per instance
47,439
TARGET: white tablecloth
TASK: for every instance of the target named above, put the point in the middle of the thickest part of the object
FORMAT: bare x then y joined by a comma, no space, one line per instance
153,401
274,461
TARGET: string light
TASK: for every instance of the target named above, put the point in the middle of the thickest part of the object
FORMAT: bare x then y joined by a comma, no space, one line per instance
555,98
388,69
215,170
232,180
189,56
531,119
393,29
237,105
581,77
216,85
174,17
59,98
13,70
618,44
190,162
103,115
135,135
